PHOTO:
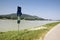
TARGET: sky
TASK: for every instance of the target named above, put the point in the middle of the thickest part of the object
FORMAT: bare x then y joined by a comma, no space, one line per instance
48,9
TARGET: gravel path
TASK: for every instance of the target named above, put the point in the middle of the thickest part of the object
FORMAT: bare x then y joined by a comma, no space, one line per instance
53,34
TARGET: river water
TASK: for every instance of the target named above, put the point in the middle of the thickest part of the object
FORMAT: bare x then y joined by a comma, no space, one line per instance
11,25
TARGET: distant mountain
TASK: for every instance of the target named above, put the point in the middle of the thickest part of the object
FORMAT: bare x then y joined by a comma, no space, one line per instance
24,16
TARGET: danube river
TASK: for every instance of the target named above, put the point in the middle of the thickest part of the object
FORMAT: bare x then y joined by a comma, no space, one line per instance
11,25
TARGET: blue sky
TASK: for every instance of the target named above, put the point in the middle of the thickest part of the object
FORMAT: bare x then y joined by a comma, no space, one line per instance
48,9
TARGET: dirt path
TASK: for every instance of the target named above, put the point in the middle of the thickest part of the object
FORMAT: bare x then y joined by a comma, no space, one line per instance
53,34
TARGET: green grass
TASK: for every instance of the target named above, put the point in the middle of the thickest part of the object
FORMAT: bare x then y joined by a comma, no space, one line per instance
51,25
27,34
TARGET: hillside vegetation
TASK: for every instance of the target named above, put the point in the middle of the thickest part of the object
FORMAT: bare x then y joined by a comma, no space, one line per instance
24,16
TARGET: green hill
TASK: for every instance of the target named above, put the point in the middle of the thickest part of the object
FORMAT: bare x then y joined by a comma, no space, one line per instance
24,16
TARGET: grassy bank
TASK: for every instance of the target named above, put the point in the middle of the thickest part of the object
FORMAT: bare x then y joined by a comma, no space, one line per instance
27,34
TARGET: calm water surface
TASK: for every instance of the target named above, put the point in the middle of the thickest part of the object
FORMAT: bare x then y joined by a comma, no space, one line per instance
9,25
